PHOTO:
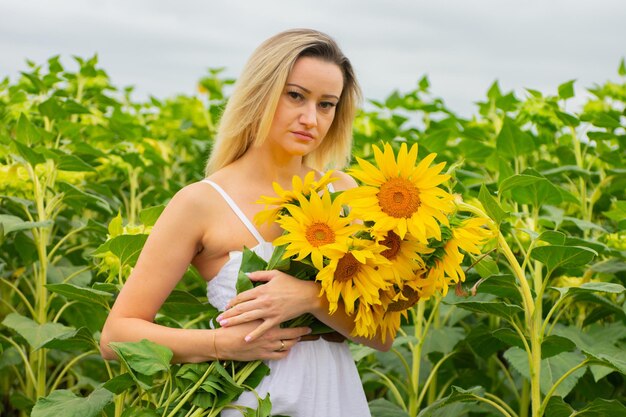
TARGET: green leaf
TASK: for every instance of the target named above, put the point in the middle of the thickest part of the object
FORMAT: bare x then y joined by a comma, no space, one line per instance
76,340
35,334
566,90
32,157
78,199
150,215
599,407
12,224
486,267
442,339
69,274
51,109
65,403
182,303
603,408
553,345
126,247
589,287
532,188
503,286
250,262
551,369
595,337
73,163
243,282
508,336
481,341
144,357
606,120
277,261
600,371
140,412
556,407
610,266
618,213
608,354
491,205
26,132
553,237
82,294
381,407
457,395
512,142
120,383
567,119
496,308
554,256
584,224
622,68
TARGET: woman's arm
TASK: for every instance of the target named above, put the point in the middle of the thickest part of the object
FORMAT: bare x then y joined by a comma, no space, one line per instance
175,239
284,297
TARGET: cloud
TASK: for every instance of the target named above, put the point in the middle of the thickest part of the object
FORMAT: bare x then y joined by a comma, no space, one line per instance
163,47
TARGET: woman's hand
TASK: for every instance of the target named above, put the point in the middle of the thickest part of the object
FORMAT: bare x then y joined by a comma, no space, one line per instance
275,343
283,297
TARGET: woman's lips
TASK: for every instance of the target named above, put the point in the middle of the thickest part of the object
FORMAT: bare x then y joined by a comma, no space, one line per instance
303,135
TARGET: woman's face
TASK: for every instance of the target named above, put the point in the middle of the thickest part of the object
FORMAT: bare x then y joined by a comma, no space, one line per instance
307,105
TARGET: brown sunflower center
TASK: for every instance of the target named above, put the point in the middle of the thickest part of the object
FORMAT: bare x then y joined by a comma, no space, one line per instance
399,198
347,268
411,299
319,234
392,241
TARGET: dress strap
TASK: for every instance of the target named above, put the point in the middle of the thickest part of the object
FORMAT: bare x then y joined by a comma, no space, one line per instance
330,185
236,210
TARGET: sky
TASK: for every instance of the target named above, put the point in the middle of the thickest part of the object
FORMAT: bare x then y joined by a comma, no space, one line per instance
163,48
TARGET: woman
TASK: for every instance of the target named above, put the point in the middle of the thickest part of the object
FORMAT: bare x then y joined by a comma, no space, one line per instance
291,112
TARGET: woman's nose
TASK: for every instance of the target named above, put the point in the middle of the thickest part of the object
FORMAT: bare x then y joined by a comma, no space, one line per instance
308,117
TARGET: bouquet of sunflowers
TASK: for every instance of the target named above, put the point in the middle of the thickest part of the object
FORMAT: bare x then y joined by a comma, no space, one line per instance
378,248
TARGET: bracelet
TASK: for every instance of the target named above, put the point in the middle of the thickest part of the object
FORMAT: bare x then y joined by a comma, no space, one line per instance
217,358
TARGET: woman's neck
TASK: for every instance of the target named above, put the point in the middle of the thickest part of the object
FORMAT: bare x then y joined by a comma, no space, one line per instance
271,167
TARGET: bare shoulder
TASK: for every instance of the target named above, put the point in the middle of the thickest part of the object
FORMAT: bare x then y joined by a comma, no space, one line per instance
344,181
193,197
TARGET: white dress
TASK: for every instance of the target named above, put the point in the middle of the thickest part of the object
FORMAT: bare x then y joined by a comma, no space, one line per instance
317,378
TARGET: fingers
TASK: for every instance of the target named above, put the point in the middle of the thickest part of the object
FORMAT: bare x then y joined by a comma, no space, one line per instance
263,276
242,297
232,315
293,333
258,332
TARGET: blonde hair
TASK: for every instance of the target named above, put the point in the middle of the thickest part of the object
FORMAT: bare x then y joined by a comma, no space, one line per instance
248,116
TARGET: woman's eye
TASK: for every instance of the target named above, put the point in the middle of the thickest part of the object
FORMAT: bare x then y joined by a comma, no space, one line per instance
294,95
327,105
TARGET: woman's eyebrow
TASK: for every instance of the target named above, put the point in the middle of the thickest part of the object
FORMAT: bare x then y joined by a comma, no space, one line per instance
306,90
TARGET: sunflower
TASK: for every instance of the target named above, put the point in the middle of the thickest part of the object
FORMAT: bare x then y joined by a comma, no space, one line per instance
472,233
395,305
367,321
300,186
467,236
315,228
353,276
404,255
428,282
401,196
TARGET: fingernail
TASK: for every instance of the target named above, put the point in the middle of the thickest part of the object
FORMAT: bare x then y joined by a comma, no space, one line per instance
219,318
307,332
247,338
223,322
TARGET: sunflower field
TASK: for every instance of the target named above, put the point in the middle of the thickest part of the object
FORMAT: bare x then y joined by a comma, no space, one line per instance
535,325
